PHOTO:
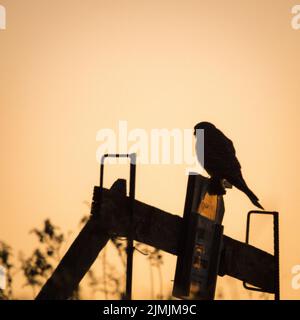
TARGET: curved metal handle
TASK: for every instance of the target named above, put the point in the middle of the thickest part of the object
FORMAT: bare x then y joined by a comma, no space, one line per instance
276,250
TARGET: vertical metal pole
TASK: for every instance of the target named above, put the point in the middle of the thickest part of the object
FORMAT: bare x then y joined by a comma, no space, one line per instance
276,256
130,238
102,171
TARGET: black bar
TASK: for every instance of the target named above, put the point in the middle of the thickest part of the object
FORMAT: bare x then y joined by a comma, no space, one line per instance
145,309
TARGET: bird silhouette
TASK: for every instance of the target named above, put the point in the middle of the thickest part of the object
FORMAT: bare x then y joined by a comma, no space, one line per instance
220,161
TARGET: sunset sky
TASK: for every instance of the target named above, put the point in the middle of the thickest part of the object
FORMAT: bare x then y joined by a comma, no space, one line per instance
69,68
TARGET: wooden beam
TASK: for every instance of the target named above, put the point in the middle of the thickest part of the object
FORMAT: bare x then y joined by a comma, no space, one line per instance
156,228
161,229
247,263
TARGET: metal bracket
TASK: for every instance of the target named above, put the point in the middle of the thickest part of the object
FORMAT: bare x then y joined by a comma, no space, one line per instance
276,250
130,236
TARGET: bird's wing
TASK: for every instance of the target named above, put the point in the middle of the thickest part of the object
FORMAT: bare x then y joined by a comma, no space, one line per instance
219,154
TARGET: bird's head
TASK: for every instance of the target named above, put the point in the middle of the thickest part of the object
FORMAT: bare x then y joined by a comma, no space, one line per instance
203,126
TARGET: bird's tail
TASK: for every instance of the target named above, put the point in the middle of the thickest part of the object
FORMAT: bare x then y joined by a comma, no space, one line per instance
240,183
253,198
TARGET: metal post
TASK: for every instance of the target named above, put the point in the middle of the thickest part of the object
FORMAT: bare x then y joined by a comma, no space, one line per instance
276,256
130,236
130,247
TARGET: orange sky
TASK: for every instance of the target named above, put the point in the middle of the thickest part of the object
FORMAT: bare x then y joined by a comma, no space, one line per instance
69,68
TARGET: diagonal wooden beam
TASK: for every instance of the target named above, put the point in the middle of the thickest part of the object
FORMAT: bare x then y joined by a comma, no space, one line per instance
156,228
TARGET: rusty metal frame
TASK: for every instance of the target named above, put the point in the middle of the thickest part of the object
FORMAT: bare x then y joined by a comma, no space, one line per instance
276,250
